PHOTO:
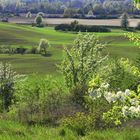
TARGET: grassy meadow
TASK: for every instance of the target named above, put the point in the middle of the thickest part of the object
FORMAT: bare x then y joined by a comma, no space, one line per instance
27,37
10,130
36,95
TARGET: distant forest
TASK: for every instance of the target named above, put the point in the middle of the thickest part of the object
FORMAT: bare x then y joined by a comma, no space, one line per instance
69,7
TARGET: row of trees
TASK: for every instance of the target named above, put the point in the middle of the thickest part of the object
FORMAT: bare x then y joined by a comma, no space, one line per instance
76,6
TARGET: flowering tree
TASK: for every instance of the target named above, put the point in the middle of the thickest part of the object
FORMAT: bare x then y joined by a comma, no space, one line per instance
124,105
43,46
81,63
82,60
8,79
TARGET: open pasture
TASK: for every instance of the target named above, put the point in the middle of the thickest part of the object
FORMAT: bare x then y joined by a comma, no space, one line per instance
27,36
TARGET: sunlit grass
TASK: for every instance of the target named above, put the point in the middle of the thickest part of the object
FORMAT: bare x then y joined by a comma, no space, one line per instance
27,36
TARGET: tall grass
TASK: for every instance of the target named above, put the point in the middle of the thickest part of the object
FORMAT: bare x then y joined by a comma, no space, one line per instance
10,130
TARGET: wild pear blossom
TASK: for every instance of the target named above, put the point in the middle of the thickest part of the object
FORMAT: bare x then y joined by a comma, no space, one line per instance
125,110
128,101
127,92
138,108
133,110
110,97
105,85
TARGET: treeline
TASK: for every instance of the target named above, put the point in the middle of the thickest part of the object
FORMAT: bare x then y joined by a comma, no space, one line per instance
68,7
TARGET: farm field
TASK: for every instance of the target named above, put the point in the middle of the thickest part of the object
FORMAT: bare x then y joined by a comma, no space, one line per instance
54,21
27,36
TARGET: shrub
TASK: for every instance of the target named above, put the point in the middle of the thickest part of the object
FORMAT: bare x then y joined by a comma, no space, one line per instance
7,49
80,64
122,105
20,50
83,28
80,123
138,26
37,100
124,21
8,78
34,50
121,75
38,21
43,45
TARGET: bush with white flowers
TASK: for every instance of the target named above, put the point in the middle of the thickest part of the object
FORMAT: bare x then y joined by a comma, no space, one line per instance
124,105
8,79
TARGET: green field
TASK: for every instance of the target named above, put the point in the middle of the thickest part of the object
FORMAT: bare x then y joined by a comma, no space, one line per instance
27,36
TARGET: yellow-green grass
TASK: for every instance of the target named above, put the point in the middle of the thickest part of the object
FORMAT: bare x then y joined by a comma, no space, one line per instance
27,36
10,130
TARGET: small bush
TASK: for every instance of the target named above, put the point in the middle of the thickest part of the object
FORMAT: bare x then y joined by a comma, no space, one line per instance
21,50
80,123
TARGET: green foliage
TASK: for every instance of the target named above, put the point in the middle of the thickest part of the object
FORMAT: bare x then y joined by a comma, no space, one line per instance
134,38
70,12
43,46
11,130
124,21
8,78
137,4
35,99
82,60
81,63
97,108
80,123
114,116
121,75
38,20
74,26
119,106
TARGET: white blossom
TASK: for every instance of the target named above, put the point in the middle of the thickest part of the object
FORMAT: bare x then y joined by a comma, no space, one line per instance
127,92
105,85
138,108
110,97
125,110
